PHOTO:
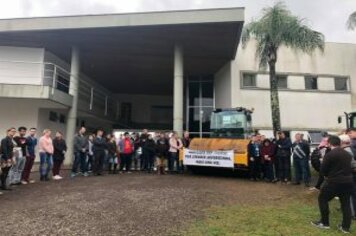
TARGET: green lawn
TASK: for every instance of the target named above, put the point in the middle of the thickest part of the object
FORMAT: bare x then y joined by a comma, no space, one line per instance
288,218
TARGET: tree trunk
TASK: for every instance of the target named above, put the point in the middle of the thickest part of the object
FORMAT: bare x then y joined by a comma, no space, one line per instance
276,119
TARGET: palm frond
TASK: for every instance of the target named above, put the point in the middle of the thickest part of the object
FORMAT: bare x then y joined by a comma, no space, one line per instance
351,22
277,26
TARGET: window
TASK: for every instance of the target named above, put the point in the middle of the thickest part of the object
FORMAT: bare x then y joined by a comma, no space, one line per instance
282,81
341,83
249,80
62,84
62,118
53,116
311,82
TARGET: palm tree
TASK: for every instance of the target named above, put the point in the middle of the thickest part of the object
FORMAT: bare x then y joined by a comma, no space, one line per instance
275,28
351,22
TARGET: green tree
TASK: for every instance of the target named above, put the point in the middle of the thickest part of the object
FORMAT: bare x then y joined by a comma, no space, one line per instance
277,27
351,22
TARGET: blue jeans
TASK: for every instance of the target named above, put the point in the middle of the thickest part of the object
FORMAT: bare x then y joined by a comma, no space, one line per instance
79,159
45,159
171,160
301,170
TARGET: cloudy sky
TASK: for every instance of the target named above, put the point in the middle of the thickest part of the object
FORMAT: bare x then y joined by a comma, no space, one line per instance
327,16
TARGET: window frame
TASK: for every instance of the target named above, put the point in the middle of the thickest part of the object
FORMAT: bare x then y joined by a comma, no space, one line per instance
254,80
306,77
346,79
278,79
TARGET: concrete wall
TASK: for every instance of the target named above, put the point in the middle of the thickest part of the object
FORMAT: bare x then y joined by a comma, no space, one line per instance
142,104
222,87
21,65
300,109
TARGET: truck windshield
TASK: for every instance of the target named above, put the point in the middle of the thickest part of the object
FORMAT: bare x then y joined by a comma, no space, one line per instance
228,120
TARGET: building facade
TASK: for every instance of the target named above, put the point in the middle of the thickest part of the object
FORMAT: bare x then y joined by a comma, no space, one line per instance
162,71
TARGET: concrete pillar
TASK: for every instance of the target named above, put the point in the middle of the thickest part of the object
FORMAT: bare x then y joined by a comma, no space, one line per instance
178,89
72,114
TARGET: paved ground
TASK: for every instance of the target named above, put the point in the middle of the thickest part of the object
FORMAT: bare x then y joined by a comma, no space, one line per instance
135,204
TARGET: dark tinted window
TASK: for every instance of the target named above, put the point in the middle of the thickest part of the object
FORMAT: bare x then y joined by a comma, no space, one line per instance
311,82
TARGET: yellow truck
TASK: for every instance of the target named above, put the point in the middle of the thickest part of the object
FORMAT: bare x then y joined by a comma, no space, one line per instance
227,147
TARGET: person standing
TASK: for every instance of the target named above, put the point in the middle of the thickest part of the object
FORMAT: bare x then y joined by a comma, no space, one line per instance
99,147
144,155
137,150
45,146
162,148
60,149
90,161
150,147
7,148
31,141
126,150
112,153
254,158
336,169
15,174
80,152
174,145
301,153
283,157
267,154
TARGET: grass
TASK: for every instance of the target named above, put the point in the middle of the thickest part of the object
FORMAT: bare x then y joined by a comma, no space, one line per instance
285,218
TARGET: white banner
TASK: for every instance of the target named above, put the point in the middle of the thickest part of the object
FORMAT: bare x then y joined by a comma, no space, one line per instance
209,158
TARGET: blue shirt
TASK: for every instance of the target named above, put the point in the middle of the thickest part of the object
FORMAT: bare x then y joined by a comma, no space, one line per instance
31,145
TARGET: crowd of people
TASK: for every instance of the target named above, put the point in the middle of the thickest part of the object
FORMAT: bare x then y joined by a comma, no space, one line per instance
268,159
334,159
93,154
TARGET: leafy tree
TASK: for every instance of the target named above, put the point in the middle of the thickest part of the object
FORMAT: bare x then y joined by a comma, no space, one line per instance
277,27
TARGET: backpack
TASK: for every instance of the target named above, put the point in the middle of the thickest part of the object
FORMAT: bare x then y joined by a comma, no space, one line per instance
315,159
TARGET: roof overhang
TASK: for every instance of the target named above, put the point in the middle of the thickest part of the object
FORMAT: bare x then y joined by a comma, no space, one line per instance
127,52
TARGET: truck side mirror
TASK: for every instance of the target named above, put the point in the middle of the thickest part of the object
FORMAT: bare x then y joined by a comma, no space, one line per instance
248,117
339,119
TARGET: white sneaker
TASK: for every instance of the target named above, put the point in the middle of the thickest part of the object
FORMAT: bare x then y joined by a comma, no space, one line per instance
56,177
60,177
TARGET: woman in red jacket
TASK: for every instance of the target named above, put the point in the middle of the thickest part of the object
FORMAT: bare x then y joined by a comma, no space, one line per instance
267,155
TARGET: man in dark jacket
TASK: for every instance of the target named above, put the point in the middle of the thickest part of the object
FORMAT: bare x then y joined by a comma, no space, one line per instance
80,153
301,152
254,158
283,157
7,147
31,142
336,168
144,156
15,174
99,147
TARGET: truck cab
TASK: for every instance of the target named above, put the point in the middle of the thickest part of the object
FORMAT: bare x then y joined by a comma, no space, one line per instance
231,123
350,120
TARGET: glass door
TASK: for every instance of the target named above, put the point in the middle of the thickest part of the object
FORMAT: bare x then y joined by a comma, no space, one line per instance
200,104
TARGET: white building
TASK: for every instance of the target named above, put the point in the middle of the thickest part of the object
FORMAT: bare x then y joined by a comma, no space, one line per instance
160,70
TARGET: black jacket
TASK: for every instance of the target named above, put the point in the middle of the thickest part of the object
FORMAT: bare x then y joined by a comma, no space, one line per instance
59,145
304,147
284,147
22,143
7,147
99,145
253,149
336,166
112,148
162,148
150,147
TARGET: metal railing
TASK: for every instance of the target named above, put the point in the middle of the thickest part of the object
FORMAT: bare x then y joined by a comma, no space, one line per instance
92,96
